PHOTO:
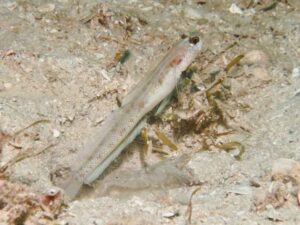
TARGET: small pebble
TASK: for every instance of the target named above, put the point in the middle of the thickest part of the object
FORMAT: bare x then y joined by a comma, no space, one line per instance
170,214
296,72
56,133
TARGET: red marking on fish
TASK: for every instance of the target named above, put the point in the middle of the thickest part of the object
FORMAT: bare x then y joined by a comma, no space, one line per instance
176,61
140,104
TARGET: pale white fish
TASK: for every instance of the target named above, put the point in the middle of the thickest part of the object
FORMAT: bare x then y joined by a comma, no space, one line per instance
124,124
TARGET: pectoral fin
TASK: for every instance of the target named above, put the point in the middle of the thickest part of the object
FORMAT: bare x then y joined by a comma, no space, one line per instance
163,104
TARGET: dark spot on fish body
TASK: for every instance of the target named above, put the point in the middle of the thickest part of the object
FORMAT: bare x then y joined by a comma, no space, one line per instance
140,104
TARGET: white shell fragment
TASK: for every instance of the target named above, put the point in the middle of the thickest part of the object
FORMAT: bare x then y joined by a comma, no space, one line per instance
56,133
193,13
46,8
170,214
296,72
241,190
235,9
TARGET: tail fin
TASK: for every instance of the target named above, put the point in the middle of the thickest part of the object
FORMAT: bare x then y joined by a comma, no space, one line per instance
72,186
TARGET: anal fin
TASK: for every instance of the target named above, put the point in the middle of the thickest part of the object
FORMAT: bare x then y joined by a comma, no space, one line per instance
113,155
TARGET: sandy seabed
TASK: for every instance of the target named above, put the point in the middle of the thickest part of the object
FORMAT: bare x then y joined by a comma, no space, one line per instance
60,75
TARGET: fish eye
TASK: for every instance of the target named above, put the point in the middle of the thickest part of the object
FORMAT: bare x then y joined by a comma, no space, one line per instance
194,40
